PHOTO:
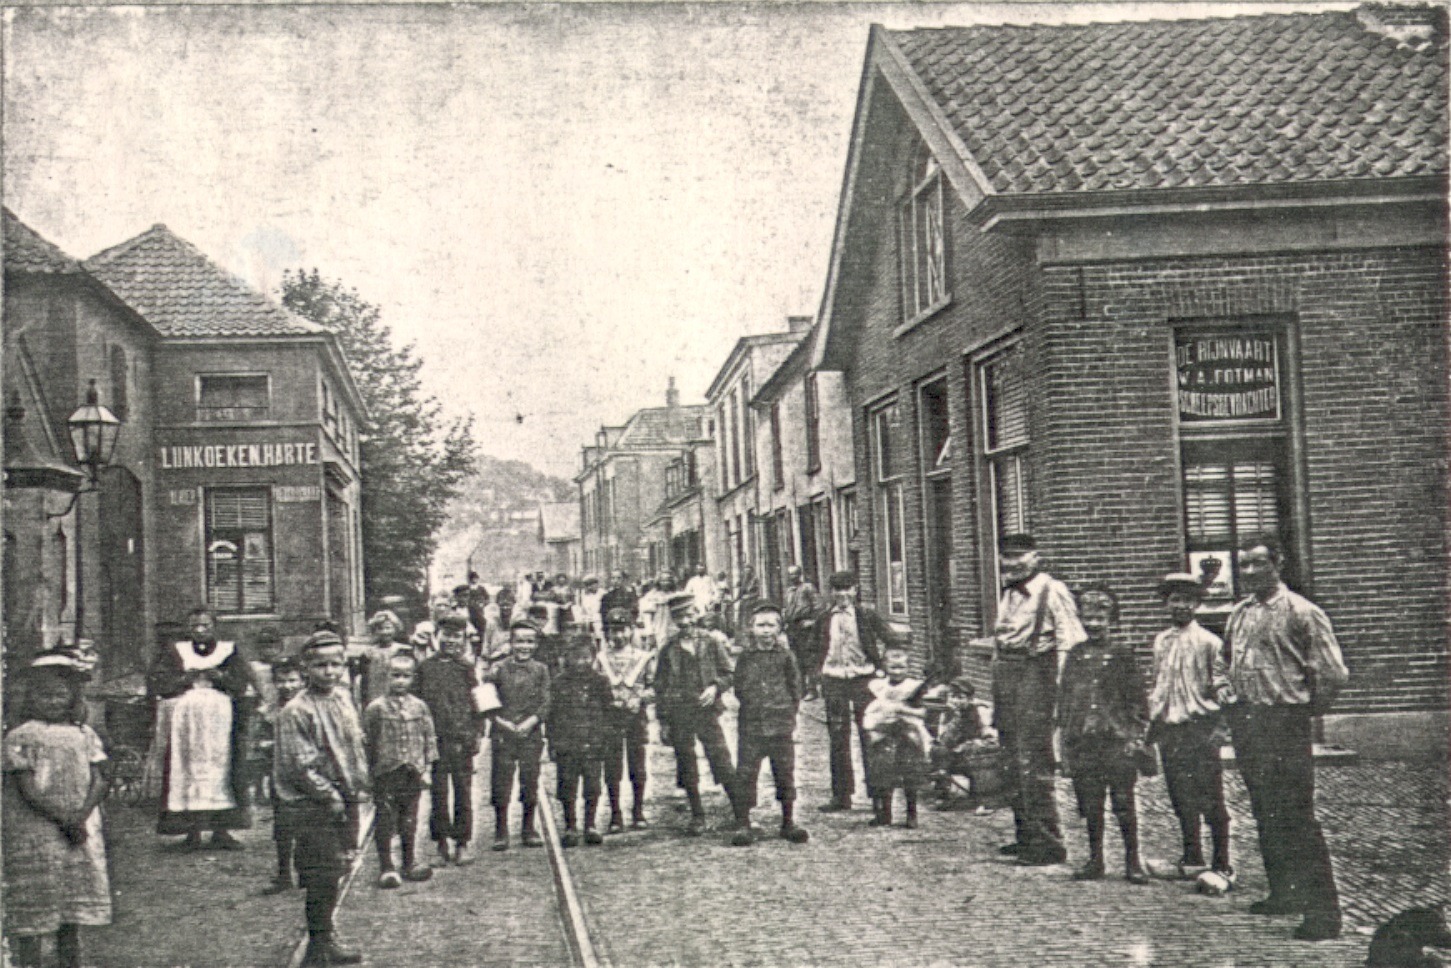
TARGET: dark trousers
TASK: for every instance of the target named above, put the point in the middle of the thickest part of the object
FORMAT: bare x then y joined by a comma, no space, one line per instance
685,729
806,646
454,775
323,842
1025,692
284,836
573,769
751,750
1195,778
1273,747
1101,770
512,753
846,702
626,736
396,795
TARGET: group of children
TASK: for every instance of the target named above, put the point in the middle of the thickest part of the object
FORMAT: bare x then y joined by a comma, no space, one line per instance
425,729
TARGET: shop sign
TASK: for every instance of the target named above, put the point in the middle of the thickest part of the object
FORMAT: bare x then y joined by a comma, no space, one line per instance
183,497
1227,377
209,456
297,494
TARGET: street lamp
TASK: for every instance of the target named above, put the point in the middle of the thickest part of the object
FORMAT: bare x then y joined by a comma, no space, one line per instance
93,430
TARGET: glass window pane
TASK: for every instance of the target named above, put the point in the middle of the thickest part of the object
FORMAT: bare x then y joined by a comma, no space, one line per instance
1006,392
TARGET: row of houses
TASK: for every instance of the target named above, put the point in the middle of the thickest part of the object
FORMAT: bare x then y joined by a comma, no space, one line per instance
1143,289
234,480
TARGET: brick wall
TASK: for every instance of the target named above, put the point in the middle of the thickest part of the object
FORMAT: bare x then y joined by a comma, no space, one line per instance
1372,342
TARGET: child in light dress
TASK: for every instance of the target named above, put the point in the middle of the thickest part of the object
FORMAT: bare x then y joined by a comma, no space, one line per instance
55,855
897,738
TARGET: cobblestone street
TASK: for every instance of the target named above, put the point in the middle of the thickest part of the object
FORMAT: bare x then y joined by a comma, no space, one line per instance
937,895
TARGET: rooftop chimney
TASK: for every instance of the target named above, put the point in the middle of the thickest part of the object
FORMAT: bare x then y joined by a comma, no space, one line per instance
672,395
798,324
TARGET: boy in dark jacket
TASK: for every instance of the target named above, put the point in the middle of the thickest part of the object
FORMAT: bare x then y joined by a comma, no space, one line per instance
580,699
518,737
768,686
1103,719
694,670
445,684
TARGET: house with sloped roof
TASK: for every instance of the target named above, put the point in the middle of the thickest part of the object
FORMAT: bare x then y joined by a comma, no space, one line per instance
1146,289
235,484
255,447
77,551
559,534
622,485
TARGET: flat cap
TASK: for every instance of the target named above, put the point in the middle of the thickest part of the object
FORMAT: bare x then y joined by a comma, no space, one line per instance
1017,543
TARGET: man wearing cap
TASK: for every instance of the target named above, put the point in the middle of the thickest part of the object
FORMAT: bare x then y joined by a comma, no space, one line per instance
1191,684
852,637
693,671
1285,666
620,596
1037,624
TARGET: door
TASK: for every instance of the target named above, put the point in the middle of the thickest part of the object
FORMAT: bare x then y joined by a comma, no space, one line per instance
939,573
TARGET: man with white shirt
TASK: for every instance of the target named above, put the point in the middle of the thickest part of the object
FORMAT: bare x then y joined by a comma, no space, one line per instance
1037,623
702,586
852,640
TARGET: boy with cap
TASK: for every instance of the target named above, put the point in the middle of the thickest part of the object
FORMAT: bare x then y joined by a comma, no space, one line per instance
1103,719
1191,684
320,776
768,685
517,739
694,671
580,699
959,735
446,684
630,671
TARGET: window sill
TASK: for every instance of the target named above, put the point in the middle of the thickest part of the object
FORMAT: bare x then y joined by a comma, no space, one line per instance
922,317
248,617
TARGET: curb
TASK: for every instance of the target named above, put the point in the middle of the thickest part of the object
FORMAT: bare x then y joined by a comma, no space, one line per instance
576,930
365,830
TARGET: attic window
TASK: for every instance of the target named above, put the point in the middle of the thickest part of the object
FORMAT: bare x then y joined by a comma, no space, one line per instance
923,241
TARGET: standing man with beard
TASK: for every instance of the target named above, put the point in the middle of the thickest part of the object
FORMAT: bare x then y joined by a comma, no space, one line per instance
1037,624
1285,666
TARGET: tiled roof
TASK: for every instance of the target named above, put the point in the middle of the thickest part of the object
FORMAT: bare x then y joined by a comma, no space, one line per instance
1279,98
661,426
183,293
26,251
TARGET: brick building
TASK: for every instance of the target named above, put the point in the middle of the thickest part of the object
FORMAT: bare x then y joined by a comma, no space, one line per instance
807,490
1144,289
622,481
747,539
235,482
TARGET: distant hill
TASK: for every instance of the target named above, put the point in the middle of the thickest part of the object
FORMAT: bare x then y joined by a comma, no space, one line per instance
500,503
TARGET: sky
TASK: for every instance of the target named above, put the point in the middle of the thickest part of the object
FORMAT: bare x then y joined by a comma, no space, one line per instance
561,205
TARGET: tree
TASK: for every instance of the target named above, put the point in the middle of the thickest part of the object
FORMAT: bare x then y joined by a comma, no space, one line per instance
414,461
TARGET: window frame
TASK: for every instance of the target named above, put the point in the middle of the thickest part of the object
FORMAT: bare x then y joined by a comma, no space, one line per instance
924,193
991,457
243,375
811,394
778,456
208,533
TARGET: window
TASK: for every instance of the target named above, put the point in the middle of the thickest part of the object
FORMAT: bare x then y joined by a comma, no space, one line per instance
1236,480
120,396
813,424
748,432
1003,387
228,398
935,429
892,551
778,462
735,450
923,243
239,550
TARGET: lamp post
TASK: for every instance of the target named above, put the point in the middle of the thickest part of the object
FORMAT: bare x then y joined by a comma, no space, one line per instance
93,431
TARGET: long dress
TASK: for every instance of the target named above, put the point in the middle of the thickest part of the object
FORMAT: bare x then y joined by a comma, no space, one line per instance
897,737
49,881
199,743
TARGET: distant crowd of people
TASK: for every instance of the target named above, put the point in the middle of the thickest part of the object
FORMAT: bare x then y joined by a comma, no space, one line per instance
577,668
